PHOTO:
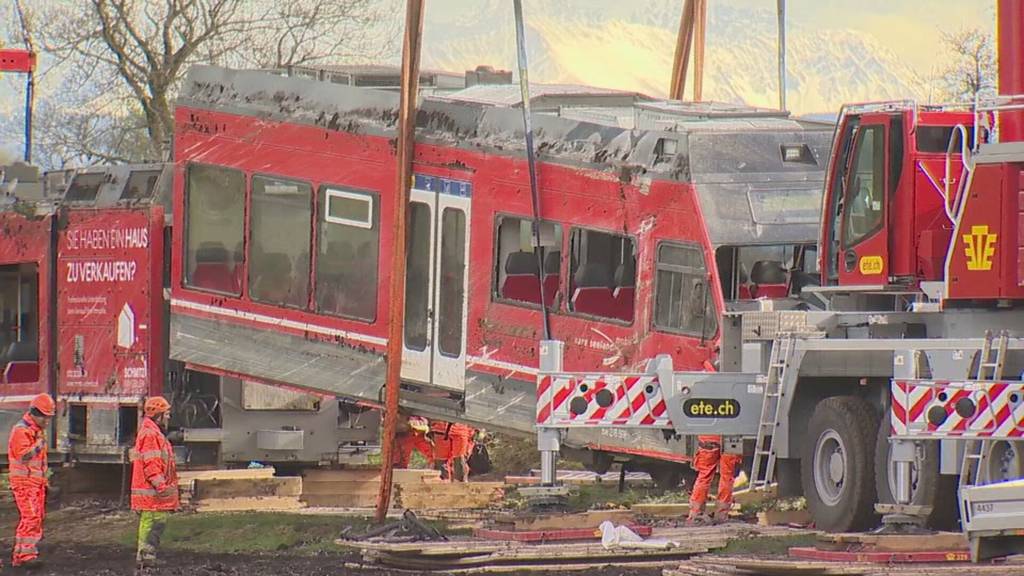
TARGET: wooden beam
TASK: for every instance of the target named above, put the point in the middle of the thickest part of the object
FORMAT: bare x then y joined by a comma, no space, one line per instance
684,39
700,24
403,180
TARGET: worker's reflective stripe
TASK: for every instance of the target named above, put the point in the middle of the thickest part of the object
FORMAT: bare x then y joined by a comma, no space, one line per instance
28,473
147,455
144,492
27,539
158,480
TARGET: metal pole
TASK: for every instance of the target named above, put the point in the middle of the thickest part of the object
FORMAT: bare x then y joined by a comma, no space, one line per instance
681,60
403,178
531,159
549,439
29,99
700,21
782,54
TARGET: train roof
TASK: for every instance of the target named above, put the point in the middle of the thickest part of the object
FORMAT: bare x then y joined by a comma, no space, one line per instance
758,173
91,187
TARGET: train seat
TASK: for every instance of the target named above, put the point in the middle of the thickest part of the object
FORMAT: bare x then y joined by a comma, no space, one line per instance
552,265
768,278
593,295
625,290
522,283
213,269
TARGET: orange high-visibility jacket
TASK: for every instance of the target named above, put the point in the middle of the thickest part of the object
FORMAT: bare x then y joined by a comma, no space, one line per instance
26,452
154,475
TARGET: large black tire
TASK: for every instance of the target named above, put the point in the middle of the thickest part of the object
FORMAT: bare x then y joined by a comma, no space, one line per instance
1003,461
837,465
928,486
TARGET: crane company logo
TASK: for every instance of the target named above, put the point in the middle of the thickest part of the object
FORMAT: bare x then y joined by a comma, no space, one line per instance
980,248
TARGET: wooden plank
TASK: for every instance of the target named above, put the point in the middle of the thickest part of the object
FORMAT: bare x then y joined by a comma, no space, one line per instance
456,495
401,475
248,487
748,496
899,542
274,503
778,567
188,476
365,500
784,517
589,519
339,488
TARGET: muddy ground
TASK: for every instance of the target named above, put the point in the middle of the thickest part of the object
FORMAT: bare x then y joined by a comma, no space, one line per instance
97,539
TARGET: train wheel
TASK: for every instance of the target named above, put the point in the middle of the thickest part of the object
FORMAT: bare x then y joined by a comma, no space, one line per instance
1004,461
837,464
927,486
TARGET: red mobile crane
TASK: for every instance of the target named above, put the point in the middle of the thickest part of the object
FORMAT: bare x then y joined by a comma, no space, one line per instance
904,355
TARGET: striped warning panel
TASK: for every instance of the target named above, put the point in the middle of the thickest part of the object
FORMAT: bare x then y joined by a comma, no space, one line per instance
957,409
621,400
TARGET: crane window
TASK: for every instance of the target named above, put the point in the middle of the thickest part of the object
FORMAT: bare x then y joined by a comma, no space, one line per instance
214,228
84,187
348,244
682,300
516,275
19,323
280,236
865,193
602,274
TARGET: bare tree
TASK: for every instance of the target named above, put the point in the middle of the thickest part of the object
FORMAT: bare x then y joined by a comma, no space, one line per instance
125,59
971,71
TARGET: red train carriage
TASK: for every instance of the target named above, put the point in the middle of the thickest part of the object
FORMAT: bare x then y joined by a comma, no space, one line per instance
282,202
83,315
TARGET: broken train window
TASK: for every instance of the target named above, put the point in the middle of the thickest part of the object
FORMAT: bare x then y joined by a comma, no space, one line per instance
602,274
683,302
346,266
214,228
516,276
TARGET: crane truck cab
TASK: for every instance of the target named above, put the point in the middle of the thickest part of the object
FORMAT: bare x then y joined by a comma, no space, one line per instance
892,178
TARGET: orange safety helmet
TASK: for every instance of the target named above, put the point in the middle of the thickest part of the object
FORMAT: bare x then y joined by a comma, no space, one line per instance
156,405
44,404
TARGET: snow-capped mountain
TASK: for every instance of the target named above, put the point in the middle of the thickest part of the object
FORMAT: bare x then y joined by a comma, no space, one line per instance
632,48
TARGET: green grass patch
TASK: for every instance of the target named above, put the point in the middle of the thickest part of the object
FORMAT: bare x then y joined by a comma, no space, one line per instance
253,532
772,545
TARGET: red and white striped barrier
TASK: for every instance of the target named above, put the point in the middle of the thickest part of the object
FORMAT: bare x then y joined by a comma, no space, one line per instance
622,400
957,409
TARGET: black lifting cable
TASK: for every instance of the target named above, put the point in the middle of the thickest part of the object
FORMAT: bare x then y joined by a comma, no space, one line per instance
524,87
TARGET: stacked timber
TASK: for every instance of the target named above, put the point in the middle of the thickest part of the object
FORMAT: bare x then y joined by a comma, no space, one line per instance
414,489
245,489
749,566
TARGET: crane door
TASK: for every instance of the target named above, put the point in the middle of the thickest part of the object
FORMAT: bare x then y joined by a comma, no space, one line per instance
862,256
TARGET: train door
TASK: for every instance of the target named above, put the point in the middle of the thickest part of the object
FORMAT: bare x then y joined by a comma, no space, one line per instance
859,247
436,283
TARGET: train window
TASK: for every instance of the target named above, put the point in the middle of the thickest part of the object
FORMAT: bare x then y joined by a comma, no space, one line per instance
84,187
516,276
417,277
751,272
19,322
346,265
451,286
141,184
350,208
280,233
682,299
214,228
602,274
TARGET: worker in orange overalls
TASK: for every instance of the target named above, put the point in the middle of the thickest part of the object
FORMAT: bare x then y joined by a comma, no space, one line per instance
154,479
413,435
26,457
708,458
452,443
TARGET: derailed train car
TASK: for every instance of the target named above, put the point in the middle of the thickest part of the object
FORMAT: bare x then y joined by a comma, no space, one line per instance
83,316
283,195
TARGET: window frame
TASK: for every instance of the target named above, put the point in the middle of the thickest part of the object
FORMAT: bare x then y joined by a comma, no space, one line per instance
186,200
570,273
333,191
496,255
322,209
657,267
248,241
845,243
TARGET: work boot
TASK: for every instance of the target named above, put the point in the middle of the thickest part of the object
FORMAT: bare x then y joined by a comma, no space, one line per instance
722,514
29,566
698,519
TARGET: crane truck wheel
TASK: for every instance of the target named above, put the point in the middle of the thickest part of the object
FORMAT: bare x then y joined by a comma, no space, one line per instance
927,486
837,464
1003,461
